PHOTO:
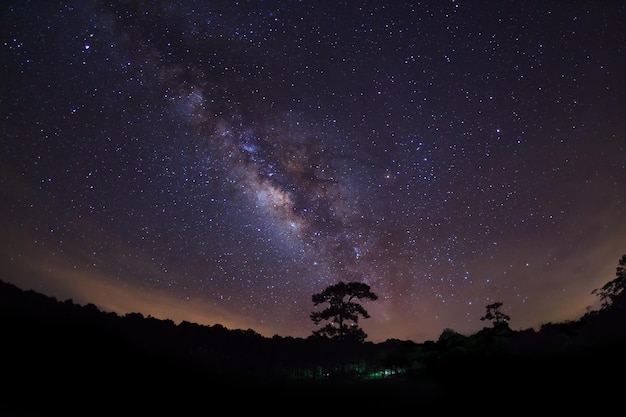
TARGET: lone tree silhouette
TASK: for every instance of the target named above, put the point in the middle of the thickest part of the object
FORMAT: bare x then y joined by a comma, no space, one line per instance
612,293
343,313
495,315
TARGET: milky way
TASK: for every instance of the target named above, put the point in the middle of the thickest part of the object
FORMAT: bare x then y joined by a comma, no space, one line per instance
220,162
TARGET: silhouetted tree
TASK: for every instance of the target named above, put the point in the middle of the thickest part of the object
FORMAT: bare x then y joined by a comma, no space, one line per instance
495,315
342,312
612,292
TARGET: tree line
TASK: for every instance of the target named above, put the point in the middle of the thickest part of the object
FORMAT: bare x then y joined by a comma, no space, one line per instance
54,351
343,312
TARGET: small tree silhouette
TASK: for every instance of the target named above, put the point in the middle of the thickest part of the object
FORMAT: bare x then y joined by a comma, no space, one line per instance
343,314
612,293
495,315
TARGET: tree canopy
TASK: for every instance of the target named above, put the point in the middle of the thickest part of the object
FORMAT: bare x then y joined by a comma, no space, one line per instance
343,312
612,292
494,314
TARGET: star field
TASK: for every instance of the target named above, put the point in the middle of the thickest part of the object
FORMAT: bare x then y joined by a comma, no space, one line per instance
220,162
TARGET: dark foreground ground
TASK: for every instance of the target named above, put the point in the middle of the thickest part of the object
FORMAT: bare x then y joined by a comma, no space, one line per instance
587,382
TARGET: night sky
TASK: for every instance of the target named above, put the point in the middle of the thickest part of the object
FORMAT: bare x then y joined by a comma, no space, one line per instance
220,162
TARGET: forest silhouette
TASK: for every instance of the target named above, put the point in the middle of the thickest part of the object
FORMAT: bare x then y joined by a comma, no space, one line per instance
61,358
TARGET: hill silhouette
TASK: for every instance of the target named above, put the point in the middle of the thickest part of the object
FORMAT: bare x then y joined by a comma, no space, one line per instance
61,358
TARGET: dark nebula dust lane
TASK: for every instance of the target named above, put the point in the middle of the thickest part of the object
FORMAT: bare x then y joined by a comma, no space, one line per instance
220,162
